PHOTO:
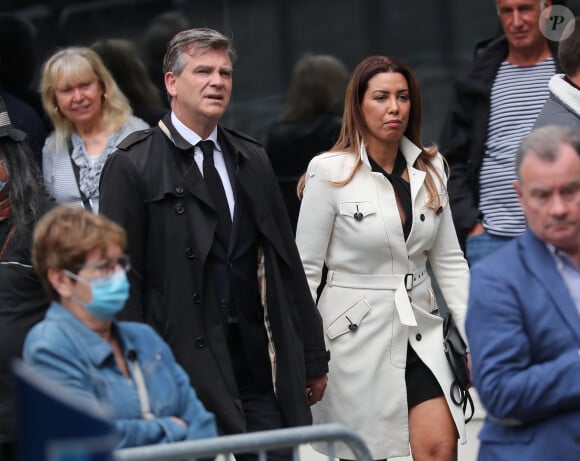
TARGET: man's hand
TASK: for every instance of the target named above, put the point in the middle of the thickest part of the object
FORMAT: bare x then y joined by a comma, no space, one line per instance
315,388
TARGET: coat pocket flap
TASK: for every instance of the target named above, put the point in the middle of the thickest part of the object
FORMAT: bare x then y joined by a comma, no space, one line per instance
349,321
350,208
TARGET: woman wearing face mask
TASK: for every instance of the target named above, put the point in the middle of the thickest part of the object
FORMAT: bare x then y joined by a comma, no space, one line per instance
124,365
375,211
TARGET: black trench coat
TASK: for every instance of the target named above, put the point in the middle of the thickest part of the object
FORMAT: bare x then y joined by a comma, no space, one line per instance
152,187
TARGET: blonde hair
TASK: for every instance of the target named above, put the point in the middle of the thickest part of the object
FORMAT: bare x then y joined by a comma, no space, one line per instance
76,64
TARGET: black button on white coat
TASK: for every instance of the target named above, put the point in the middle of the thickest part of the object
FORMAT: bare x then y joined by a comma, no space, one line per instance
351,325
358,216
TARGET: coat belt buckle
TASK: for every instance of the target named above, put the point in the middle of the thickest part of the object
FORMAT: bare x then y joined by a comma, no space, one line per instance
408,281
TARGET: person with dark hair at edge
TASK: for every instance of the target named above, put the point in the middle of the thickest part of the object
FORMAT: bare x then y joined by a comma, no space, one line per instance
23,302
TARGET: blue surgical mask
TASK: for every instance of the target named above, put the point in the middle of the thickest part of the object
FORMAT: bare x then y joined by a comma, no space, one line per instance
109,294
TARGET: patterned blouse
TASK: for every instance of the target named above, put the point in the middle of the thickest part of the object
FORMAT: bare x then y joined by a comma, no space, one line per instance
57,169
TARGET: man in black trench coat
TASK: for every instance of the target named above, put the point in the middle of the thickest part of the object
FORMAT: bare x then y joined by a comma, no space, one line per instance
214,265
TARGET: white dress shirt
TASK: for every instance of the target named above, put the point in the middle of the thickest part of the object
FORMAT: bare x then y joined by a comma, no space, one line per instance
218,156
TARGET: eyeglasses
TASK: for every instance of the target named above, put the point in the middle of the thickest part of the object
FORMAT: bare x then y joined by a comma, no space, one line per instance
108,267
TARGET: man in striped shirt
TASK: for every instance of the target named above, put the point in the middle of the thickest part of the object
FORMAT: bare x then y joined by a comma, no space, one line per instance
492,109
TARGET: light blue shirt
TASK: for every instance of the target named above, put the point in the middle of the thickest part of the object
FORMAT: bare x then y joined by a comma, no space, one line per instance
569,271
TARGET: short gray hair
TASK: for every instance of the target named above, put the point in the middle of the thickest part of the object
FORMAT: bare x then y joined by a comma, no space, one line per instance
545,144
542,5
202,40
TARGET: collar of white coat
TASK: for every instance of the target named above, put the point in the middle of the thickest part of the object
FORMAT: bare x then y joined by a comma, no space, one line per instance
409,150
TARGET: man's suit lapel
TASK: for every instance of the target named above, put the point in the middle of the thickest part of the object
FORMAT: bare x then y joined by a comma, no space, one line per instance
249,181
541,265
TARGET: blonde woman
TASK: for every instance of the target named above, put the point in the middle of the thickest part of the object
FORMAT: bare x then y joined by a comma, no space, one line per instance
90,116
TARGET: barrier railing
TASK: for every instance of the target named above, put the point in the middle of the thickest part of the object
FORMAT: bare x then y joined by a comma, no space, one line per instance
253,442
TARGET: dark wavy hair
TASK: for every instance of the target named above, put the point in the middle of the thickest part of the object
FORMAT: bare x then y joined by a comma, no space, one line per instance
24,186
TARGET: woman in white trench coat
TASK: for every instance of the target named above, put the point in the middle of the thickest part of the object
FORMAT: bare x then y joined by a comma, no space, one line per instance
375,210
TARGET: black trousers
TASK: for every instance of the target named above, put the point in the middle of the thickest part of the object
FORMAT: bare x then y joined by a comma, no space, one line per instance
260,405
263,413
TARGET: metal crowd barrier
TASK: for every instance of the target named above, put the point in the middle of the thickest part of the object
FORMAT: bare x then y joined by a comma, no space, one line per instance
252,442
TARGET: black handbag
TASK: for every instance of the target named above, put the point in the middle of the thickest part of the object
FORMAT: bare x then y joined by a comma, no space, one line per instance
455,350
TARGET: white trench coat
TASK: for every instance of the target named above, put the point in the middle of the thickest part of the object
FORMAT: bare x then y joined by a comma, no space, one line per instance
368,319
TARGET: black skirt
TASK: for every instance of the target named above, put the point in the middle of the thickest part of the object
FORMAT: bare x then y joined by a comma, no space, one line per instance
421,383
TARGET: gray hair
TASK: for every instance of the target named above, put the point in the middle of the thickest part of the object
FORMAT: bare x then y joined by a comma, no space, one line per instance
545,144
201,41
542,5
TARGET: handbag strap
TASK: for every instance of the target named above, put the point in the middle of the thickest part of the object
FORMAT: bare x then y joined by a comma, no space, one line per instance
463,400
86,201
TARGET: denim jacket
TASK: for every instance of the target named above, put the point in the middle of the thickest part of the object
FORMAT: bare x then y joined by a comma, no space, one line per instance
66,350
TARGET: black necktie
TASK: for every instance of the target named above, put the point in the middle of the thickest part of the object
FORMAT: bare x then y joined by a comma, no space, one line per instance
216,189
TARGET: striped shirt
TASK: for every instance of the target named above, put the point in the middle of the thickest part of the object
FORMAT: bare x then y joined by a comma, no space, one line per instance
517,96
